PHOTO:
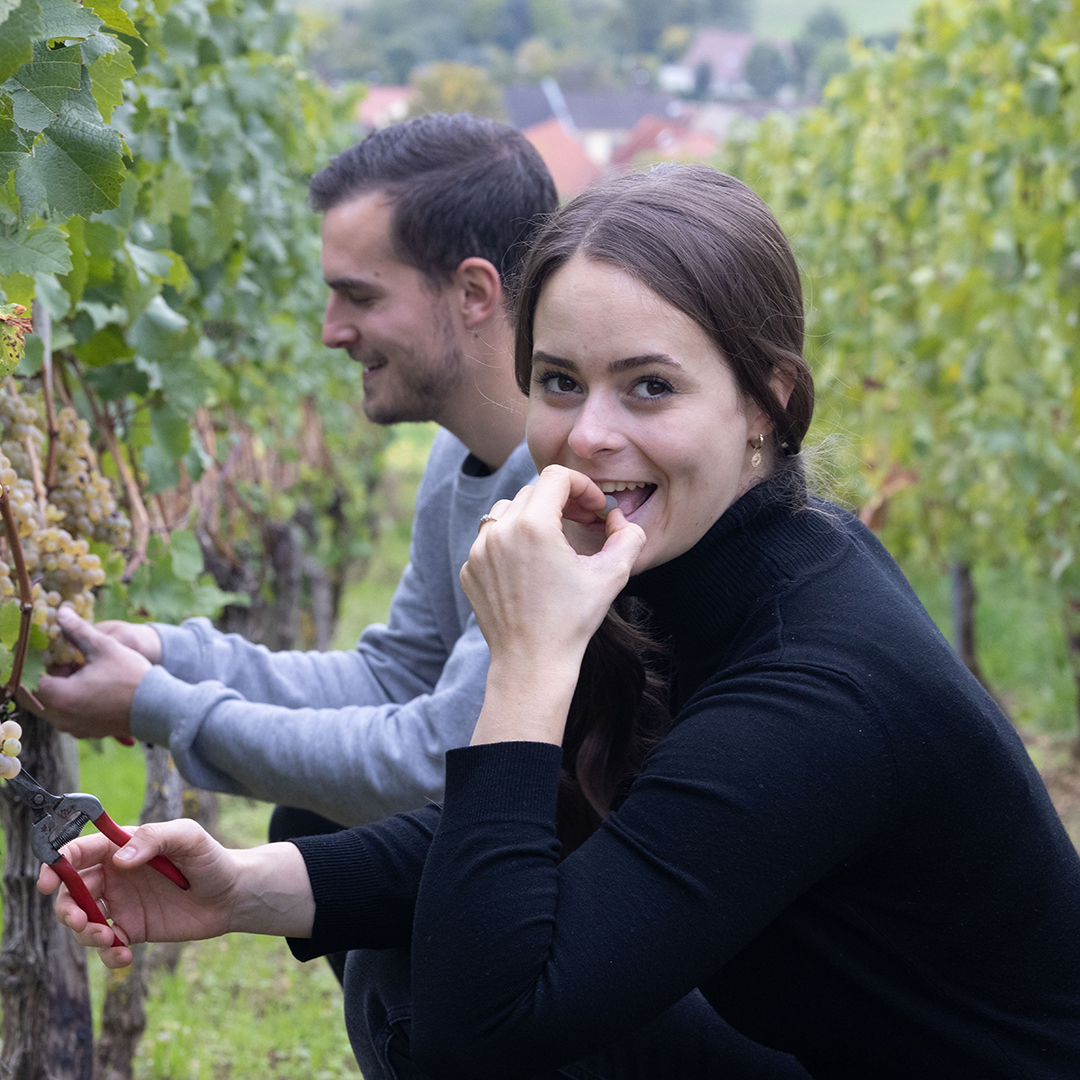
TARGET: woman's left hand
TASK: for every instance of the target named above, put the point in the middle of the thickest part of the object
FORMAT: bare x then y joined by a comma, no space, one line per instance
538,602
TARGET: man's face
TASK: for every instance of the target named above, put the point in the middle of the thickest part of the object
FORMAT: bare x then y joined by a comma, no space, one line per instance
387,317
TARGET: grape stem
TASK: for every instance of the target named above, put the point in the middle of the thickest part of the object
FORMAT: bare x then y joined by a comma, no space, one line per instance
43,328
26,608
140,519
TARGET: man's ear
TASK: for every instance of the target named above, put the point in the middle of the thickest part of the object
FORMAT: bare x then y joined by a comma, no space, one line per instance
480,290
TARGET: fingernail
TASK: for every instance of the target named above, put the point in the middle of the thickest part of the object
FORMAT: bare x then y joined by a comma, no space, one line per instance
612,503
126,853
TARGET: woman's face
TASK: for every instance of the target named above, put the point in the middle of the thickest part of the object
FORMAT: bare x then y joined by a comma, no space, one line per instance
630,391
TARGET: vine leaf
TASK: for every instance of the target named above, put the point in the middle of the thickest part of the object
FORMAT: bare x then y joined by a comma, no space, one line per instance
113,16
10,618
13,330
66,19
41,87
43,251
79,166
21,29
12,148
109,63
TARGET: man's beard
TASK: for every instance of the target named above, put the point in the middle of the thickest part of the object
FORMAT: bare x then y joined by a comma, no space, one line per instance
419,391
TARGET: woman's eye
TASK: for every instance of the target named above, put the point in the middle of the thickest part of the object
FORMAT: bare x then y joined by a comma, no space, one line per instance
556,382
651,388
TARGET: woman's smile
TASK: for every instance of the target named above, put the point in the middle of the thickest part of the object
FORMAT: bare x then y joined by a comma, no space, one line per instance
631,392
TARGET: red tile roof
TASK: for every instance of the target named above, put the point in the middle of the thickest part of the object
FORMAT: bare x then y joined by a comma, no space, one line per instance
570,166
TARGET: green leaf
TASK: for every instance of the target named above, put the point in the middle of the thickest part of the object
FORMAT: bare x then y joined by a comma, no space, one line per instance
170,430
67,19
187,556
12,148
149,265
79,166
157,332
9,623
114,381
113,15
107,74
104,348
38,638
52,295
41,87
20,30
44,251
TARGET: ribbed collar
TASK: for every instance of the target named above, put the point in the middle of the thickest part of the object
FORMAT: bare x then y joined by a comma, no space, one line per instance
769,537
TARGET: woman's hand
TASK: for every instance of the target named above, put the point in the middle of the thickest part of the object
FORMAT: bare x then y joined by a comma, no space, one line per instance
264,890
538,602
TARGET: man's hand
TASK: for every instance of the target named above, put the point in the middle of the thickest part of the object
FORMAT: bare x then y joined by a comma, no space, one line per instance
141,637
95,701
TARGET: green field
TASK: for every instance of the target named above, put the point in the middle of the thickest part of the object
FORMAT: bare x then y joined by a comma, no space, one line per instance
786,18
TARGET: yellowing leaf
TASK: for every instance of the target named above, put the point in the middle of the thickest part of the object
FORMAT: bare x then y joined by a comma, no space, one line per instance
13,330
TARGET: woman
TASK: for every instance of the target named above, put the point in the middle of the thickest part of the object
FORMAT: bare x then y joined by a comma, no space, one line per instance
840,840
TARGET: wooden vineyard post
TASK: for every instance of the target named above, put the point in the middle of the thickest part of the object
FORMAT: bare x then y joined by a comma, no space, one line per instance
44,994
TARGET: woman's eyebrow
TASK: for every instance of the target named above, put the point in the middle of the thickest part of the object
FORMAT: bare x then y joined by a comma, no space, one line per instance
616,367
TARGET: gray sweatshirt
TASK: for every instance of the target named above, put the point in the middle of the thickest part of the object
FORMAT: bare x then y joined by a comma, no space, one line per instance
353,735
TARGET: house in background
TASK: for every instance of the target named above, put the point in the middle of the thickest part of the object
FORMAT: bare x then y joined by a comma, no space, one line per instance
566,159
723,53
383,105
600,120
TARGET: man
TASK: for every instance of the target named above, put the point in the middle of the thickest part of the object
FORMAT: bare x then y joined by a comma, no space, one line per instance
422,222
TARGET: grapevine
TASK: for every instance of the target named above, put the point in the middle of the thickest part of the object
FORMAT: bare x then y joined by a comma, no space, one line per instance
50,520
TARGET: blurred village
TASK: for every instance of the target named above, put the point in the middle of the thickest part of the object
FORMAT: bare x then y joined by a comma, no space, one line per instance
595,86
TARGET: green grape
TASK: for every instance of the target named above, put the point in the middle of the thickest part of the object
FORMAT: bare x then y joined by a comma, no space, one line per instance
80,508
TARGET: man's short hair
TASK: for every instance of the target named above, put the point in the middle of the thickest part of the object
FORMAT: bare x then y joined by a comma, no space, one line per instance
460,186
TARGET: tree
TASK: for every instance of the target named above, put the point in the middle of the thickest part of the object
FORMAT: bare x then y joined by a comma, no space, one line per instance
766,70
934,202
451,87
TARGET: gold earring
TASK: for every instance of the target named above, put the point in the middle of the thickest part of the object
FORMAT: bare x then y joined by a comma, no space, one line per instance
755,461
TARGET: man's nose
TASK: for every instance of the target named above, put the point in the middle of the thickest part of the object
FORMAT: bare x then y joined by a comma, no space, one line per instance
338,331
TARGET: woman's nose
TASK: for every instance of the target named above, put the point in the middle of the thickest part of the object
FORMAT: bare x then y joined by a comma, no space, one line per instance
596,429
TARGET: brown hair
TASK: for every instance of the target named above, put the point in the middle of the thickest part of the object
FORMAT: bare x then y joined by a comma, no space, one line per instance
706,244
460,186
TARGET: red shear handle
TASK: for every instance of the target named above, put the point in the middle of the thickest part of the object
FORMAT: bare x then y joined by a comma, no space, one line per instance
81,894
159,862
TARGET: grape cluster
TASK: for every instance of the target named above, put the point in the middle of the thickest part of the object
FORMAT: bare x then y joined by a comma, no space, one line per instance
10,734
80,508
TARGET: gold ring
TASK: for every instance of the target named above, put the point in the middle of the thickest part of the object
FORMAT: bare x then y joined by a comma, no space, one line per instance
484,520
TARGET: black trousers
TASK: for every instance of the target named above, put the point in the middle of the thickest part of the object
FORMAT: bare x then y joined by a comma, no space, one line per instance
688,1042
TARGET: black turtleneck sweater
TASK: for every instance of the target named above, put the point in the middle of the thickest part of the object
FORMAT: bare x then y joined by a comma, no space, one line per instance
842,842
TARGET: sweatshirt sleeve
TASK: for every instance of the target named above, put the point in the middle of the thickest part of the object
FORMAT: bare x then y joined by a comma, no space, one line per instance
390,663
353,761
738,812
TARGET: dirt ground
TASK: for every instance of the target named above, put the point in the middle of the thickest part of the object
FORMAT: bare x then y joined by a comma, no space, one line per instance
1061,772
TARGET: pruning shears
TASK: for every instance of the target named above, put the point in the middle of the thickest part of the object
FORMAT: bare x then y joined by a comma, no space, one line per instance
59,819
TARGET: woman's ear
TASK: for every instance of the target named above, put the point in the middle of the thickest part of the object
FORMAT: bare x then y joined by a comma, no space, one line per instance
480,291
782,386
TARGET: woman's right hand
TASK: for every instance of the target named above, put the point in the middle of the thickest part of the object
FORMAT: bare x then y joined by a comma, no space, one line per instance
538,601
226,893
